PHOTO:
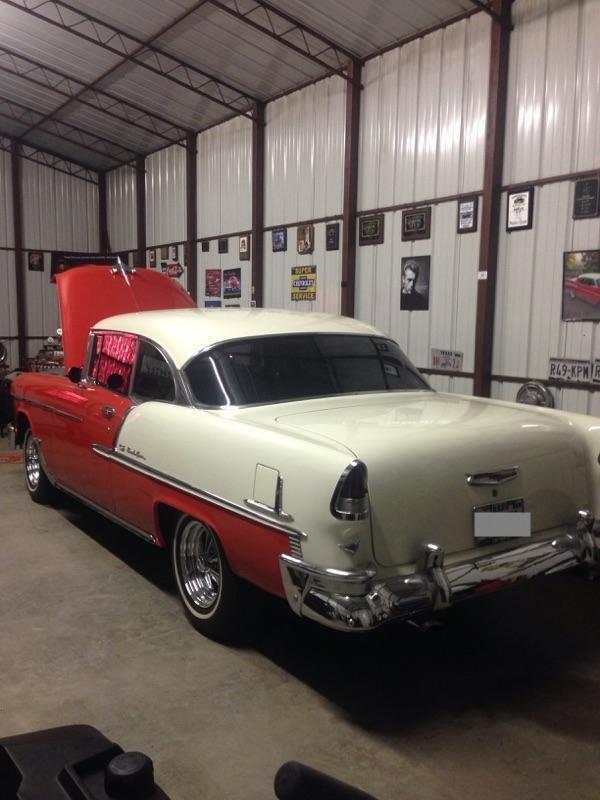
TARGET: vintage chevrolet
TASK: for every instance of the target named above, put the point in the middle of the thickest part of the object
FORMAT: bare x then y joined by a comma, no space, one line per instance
299,452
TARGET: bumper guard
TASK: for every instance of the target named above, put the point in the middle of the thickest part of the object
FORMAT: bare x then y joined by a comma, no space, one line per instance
356,600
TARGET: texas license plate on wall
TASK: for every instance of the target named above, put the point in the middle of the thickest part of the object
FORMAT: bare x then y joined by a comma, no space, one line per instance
505,519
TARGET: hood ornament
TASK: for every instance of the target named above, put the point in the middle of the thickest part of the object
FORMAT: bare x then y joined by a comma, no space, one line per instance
492,477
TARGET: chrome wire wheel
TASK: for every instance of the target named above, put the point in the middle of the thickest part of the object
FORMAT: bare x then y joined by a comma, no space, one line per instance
200,567
32,463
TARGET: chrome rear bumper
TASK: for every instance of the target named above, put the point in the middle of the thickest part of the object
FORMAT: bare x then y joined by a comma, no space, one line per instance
356,600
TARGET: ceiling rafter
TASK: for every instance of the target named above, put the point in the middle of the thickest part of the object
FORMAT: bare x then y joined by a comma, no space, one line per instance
140,52
24,115
50,159
38,74
278,25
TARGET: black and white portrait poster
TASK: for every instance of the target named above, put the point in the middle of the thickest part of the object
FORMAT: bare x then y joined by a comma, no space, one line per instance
414,285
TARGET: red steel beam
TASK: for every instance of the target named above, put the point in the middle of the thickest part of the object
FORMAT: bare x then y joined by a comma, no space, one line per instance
140,194
258,202
17,199
191,187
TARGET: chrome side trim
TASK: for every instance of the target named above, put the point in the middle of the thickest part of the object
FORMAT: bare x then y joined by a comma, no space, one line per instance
181,486
11,432
356,600
148,537
47,407
268,511
492,477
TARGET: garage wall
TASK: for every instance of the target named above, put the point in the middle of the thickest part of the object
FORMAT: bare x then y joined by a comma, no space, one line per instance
553,129
60,212
165,197
121,209
224,169
422,138
304,182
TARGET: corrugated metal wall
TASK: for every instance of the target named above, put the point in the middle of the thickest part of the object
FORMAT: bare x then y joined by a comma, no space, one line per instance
165,196
304,180
224,168
60,212
553,128
422,137
121,209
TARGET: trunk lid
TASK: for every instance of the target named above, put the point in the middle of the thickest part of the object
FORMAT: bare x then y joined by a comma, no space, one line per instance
419,448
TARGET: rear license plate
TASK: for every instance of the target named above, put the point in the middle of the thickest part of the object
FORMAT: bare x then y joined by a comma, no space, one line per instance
505,519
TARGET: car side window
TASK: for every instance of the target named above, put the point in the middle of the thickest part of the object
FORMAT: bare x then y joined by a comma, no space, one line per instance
112,357
153,379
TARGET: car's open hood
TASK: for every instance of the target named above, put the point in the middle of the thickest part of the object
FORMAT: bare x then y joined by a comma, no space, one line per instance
90,293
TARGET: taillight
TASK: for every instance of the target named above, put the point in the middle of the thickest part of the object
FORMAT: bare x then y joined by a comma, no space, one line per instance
351,497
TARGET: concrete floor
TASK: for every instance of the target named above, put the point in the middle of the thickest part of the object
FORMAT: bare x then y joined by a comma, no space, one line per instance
503,702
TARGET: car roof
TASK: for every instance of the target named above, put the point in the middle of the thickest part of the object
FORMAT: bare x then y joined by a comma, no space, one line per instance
183,333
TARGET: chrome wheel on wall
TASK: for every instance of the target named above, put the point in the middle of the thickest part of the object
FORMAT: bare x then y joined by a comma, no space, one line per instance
208,588
39,487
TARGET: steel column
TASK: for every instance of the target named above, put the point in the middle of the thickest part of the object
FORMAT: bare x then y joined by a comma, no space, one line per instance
17,198
140,192
492,188
350,188
102,215
258,202
191,187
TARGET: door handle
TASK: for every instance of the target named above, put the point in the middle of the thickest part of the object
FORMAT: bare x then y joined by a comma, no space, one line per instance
108,411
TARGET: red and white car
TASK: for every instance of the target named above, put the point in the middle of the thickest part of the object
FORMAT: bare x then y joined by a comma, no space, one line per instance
585,286
299,452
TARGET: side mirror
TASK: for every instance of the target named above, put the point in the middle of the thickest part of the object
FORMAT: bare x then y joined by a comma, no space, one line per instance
115,382
74,374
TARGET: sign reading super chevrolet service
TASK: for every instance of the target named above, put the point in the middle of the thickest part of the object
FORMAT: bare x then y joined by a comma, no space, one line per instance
304,283
570,369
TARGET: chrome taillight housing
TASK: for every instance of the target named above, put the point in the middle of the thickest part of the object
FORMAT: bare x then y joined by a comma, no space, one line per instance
351,496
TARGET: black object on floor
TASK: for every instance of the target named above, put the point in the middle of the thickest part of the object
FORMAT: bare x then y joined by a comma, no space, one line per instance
75,762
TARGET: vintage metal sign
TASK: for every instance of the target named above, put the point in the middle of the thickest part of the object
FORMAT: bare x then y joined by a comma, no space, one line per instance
304,283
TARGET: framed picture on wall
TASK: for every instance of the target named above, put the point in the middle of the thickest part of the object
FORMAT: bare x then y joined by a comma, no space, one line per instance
279,240
416,224
152,258
205,245
164,253
467,215
35,261
519,210
370,229
586,199
232,283
245,247
173,252
414,283
223,245
332,236
581,286
305,239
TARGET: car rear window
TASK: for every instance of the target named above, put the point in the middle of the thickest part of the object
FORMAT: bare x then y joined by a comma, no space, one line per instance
278,368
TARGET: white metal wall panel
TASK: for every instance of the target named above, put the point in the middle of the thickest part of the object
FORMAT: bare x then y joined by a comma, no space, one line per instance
8,305
224,165
7,233
553,115
449,324
304,153
278,274
528,326
165,196
60,212
121,209
423,117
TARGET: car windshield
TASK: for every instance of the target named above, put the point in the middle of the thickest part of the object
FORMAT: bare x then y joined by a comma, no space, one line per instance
271,369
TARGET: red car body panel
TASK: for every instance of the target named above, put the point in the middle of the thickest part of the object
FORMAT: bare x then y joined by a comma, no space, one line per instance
71,419
111,294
